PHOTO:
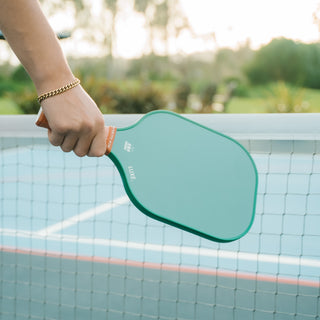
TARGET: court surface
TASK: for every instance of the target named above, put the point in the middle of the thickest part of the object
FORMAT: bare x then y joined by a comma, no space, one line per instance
74,247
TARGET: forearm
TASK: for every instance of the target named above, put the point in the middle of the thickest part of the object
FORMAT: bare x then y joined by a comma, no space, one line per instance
35,44
75,121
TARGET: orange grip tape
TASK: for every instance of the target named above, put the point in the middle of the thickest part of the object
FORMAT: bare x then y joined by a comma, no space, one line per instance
42,121
110,139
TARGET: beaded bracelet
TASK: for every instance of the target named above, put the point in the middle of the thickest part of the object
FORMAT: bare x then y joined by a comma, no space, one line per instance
58,91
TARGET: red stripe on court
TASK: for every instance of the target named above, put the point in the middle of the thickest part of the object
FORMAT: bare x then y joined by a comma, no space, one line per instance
168,267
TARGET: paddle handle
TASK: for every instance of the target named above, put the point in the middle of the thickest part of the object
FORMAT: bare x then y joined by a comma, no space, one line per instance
111,131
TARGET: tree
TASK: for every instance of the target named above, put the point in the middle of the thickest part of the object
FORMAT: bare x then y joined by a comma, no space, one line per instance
161,20
311,54
164,18
112,6
280,60
316,17
146,7
94,29
288,61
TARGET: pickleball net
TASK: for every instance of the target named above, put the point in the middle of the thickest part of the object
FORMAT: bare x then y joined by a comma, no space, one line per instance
74,247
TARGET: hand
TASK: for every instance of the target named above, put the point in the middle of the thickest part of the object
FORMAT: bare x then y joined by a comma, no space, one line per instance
75,123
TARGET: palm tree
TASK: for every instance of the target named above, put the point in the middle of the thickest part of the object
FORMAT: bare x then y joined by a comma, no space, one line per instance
112,6
163,17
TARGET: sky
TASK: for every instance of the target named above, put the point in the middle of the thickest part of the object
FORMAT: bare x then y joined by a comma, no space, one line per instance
236,21
233,23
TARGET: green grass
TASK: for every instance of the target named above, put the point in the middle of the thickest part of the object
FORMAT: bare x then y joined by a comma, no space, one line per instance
258,101
312,97
247,105
7,106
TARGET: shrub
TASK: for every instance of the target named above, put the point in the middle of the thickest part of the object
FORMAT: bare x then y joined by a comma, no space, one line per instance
143,100
181,96
20,75
114,98
284,98
8,81
104,93
6,86
26,100
207,97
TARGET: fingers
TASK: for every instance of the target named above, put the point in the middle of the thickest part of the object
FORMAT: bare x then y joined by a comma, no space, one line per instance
55,138
98,144
87,141
92,141
69,142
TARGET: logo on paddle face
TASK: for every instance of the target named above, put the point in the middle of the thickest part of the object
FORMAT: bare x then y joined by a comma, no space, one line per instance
131,173
128,146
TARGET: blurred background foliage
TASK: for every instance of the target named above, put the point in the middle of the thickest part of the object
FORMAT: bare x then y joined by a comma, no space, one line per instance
282,76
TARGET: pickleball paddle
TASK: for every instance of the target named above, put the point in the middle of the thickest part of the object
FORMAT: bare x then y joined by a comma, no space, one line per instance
184,174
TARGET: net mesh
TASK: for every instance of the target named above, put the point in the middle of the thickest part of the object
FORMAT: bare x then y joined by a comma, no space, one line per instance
74,247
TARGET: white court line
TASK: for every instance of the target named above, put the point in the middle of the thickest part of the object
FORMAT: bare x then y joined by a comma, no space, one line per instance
83,216
195,251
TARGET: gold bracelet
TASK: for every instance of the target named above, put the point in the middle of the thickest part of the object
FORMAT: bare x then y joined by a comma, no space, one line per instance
58,91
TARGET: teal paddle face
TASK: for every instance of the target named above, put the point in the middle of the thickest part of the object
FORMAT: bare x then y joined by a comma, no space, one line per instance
184,174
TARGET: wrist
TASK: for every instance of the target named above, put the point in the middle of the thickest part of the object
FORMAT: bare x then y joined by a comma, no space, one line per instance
48,80
60,90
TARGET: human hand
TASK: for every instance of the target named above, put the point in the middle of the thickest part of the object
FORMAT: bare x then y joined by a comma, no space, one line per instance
76,123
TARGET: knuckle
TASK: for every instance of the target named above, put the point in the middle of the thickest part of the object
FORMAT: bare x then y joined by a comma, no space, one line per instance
61,128
80,153
71,127
80,150
98,153
66,149
101,153
54,139
100,123
54,142
87,125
